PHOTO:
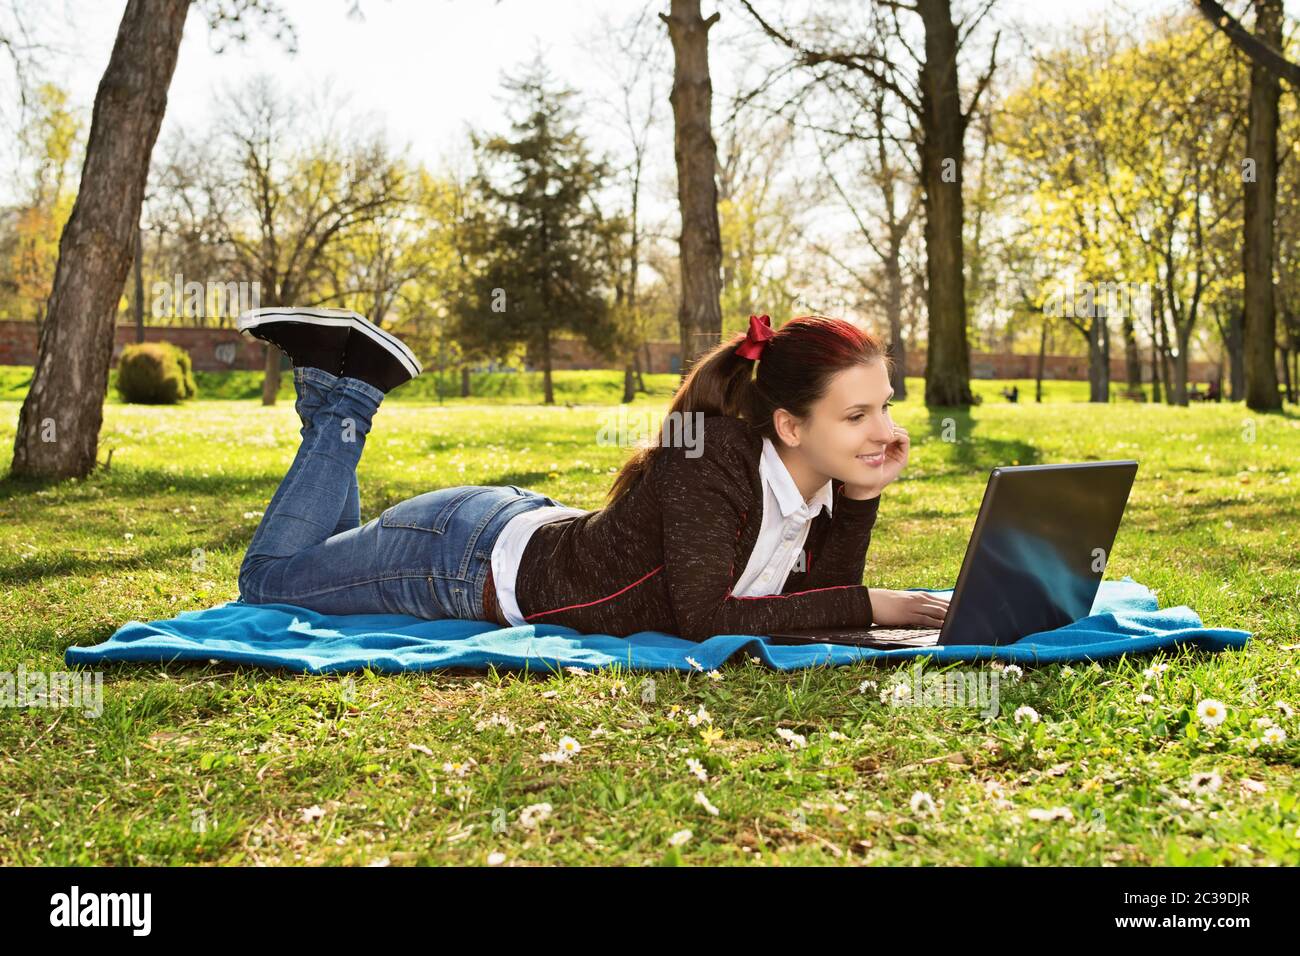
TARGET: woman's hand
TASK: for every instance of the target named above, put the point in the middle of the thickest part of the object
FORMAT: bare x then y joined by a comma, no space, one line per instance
907,608
896,455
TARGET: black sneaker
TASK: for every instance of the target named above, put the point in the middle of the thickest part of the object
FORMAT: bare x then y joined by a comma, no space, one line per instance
315,338
377,357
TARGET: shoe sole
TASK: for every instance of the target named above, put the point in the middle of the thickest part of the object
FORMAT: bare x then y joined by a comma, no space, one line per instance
337,317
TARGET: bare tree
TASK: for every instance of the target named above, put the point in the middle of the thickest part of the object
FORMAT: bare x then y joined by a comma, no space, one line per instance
287,206
930,91
884,227
696,154
58,425
634,66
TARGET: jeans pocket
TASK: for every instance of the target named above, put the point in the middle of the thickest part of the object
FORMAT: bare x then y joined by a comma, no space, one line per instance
431,511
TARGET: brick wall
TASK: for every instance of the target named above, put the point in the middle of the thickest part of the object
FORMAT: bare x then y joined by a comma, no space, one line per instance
222,349
666,357
210,349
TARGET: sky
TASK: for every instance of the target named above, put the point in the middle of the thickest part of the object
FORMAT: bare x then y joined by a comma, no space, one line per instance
426,68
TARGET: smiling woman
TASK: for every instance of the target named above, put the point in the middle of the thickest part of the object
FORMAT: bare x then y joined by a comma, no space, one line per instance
761,524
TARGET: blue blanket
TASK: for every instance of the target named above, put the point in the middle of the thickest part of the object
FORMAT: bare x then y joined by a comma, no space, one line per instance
1125,619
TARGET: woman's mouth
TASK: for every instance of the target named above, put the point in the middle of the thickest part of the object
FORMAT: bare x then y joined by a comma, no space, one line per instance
873,461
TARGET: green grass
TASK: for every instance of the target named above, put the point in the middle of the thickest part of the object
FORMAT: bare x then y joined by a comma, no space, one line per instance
217,764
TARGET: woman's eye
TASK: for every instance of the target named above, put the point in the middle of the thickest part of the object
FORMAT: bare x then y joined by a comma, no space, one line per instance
856,418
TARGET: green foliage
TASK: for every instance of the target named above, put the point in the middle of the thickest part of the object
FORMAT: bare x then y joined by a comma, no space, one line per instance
541,255
155,373
192,763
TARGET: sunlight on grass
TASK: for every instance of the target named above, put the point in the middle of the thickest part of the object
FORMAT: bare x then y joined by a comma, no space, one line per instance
201,764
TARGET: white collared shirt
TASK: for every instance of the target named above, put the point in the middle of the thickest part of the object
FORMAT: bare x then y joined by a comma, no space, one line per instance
508,551
786,517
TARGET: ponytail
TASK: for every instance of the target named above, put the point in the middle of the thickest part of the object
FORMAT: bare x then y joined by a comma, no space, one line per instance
794,370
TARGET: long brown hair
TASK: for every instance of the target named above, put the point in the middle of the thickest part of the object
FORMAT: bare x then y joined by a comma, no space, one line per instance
795,369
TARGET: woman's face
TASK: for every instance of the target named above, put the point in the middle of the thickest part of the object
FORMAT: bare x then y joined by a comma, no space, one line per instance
850,425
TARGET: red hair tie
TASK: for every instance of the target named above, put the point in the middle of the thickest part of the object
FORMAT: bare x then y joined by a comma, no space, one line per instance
756,339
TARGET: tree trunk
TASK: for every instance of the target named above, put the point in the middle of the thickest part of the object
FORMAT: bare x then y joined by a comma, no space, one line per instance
943,129
1094,364
1105,360
1042,360
1132,361
696,154
1184,334
640,377
1098,360
1260,208
894,307
1156,377
547,388
1165,371
58,425
1236,354
271,374
629,382
464,381
139,284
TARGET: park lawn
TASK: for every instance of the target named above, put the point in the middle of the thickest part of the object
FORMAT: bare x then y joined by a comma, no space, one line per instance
219,764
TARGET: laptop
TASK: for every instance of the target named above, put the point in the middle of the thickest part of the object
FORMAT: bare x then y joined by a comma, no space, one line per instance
1034,561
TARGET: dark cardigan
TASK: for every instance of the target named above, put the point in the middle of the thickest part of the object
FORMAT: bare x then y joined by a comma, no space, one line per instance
665,555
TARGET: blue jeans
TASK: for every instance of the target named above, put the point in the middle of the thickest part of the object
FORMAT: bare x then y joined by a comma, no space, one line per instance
427,556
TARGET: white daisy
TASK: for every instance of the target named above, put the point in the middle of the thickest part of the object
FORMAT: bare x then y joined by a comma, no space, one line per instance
694,663
923,803
896,694
1284,707
1013,671
1055,813
680,837
496,858
865,686
701,716
568,746
1273,735
715,675
1145,699
1211,712
697,768
1026,713
703,801
534,814
796,741
1206,782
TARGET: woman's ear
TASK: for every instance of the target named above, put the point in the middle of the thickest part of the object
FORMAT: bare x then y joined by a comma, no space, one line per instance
786,426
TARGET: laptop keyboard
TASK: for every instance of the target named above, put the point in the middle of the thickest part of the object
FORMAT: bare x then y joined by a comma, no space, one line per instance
905,635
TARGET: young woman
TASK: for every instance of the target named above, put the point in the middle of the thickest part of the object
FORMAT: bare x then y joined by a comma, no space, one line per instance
755,515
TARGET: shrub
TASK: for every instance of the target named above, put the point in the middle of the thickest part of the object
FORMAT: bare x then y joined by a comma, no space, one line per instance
155,373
